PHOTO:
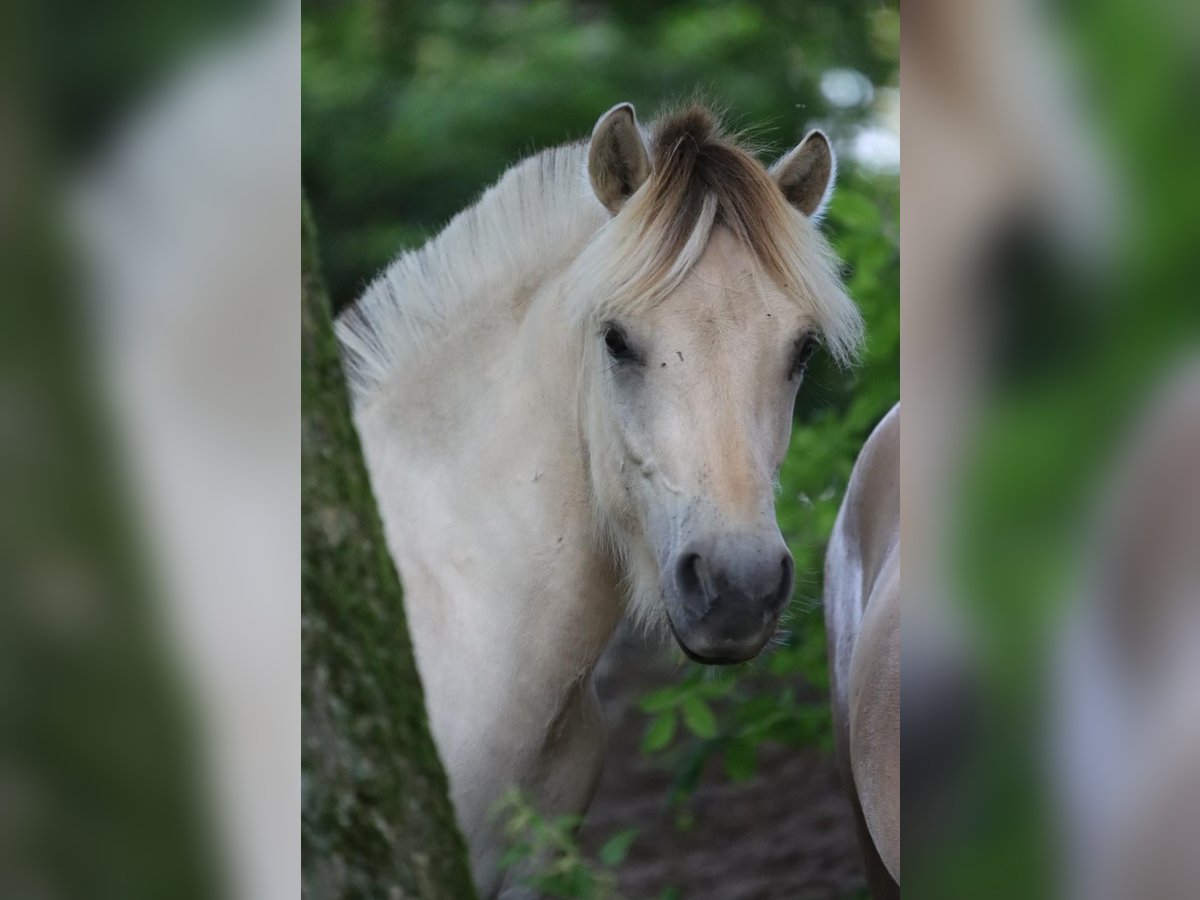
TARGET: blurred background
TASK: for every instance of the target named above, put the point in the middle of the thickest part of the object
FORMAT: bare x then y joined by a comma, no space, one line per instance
717,784
410,110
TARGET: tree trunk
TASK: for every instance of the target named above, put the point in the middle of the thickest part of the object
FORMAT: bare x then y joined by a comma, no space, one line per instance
377,821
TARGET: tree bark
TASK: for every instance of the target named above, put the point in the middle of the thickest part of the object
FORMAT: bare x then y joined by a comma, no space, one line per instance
377,820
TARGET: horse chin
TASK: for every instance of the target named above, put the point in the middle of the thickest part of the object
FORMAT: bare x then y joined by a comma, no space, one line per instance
696,657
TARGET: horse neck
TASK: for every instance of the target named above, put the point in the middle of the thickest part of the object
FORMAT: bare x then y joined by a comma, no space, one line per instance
578,601
486,429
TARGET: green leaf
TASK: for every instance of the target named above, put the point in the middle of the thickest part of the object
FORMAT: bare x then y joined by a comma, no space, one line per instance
566,822
660,732
660,700
688,773
741,760
616,847
699,717
514,855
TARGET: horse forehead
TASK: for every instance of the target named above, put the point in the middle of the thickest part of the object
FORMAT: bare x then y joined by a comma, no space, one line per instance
726,291
726,266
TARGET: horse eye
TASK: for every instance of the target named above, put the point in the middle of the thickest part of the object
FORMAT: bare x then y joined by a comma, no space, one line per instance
614,341
805,347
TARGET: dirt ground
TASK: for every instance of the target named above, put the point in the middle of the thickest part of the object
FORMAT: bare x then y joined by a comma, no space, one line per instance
787,833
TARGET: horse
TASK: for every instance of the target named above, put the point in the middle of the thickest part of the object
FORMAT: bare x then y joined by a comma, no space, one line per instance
573,404
862,623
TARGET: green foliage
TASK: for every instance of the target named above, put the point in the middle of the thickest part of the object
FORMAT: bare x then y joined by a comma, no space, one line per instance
547,856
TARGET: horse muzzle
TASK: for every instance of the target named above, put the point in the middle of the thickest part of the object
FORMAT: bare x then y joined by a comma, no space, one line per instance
725,596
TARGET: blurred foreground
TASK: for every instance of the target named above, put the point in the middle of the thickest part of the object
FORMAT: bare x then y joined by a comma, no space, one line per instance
1051,463
149,454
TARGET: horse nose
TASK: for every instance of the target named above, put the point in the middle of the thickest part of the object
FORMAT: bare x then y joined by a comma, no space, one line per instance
731,592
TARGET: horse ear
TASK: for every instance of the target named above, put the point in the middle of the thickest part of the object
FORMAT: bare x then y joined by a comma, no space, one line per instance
618,162
806,174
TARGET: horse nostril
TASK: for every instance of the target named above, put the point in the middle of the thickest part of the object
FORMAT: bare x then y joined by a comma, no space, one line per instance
783,590
689,577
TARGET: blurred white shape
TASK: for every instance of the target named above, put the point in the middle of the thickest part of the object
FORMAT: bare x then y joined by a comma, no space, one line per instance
189,230
846,87
877,149
875,146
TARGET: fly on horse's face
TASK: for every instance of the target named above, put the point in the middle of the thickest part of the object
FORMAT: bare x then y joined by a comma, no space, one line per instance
692,400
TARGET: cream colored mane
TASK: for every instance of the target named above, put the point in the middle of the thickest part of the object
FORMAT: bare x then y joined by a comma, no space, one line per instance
542,218
536,217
